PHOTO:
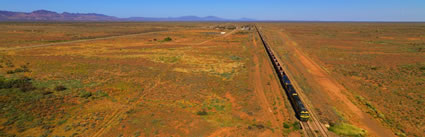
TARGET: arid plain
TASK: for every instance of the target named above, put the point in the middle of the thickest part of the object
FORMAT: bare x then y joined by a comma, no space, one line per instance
209,79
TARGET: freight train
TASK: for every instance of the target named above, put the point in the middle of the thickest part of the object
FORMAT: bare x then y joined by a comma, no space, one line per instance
300,110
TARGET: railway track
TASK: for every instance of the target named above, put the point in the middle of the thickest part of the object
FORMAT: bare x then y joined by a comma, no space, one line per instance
307,129
314,124
313,127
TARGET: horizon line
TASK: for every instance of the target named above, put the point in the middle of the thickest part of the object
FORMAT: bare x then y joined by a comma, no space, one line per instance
223,19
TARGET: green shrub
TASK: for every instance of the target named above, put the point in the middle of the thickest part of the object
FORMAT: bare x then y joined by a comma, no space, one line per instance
235,58
296,125
137,134
62,121
400,134
24,84
3,83
60,88
345,129
21,126
19,70
226,75
202,113
101,94
10,72
286,125
167,39
85,94
9,64
67,128
259,126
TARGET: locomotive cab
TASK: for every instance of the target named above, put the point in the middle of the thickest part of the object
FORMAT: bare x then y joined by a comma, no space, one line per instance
303,113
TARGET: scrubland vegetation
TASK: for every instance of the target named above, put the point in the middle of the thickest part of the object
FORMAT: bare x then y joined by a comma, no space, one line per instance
186,79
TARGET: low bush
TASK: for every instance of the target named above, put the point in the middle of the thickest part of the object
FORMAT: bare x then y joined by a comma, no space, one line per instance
60,88
202,113
85,94
24,84
9,64
19,70
167,39
235,58
137,134
296,125
286,125
101,94
345,129
259,126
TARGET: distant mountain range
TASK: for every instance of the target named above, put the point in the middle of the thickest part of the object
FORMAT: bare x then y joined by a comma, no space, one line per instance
45,15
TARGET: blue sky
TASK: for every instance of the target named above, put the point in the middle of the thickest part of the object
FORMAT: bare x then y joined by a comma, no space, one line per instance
325,10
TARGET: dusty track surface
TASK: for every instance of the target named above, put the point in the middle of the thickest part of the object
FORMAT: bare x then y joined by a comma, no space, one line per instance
225,35
261,78
113,118
334,90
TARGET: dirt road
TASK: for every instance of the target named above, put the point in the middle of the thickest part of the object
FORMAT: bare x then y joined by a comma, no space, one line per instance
225,35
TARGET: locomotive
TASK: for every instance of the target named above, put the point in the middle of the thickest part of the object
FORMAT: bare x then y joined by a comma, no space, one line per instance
300,110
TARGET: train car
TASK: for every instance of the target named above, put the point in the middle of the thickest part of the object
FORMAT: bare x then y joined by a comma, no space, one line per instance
286,81
281,73
290,90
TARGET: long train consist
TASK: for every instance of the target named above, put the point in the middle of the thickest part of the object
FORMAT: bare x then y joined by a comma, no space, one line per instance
300,110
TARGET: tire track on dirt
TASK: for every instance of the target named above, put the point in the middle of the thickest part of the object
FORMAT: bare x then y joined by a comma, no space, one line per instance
106,126
225,35
259,88
120,113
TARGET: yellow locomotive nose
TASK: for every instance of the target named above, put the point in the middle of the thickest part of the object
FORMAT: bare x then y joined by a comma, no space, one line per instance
305,117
